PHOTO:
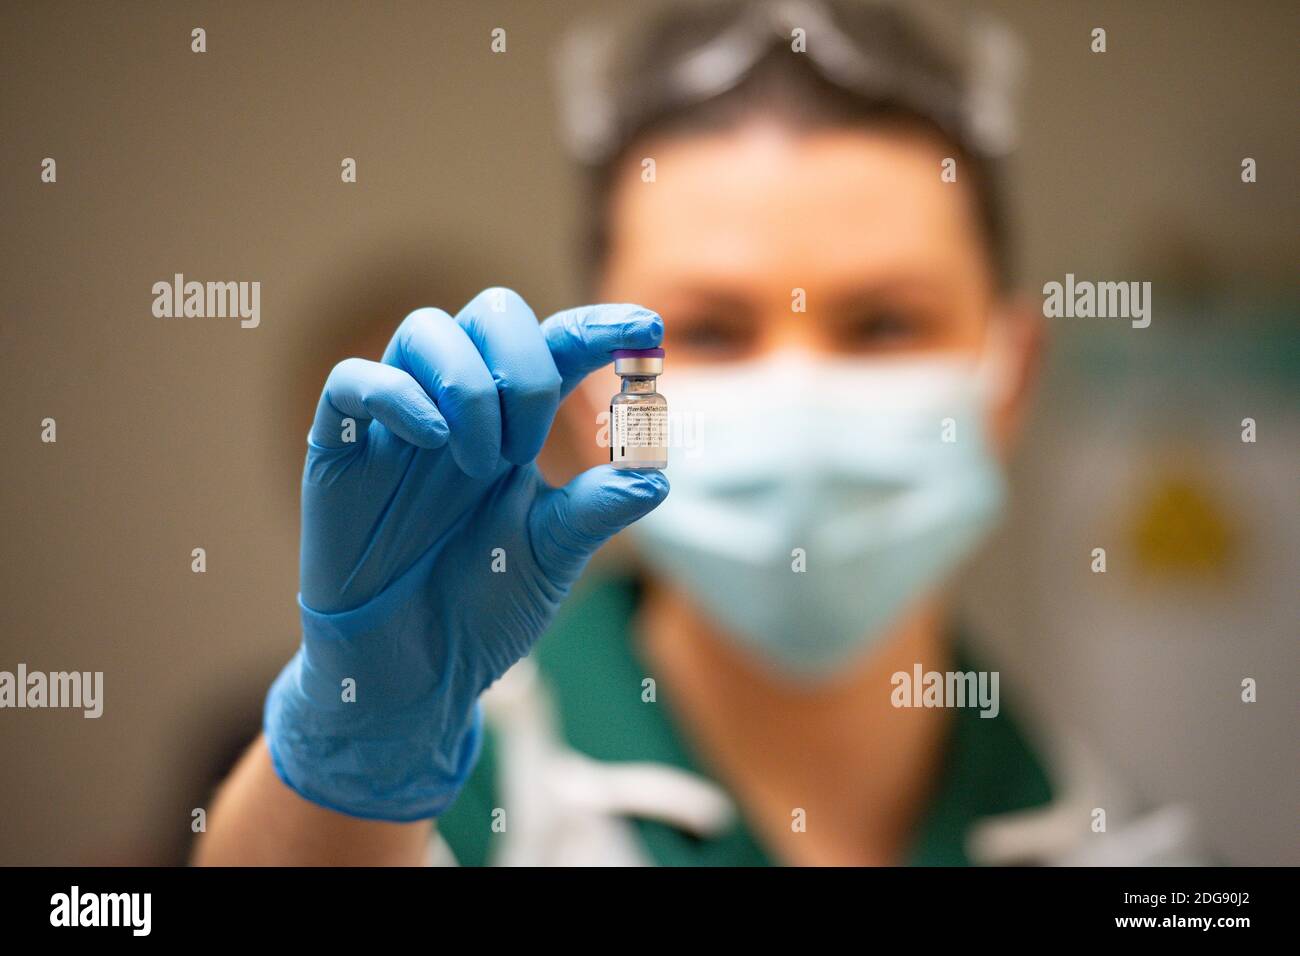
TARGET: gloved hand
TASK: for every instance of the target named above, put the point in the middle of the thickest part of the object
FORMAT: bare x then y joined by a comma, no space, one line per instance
433,553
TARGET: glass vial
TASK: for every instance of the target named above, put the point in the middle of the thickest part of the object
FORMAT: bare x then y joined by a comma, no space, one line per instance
638,415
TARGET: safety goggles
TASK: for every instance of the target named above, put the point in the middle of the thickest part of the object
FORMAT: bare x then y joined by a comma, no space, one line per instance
610,88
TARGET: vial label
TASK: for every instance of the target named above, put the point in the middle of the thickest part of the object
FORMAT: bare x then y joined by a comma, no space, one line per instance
638,432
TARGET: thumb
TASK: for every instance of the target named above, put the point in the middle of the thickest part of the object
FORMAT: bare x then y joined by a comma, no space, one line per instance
568,524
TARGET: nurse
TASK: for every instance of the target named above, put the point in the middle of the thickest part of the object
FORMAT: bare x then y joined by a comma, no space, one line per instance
820,251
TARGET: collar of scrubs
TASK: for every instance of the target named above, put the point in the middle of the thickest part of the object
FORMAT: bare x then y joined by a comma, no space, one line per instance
595,676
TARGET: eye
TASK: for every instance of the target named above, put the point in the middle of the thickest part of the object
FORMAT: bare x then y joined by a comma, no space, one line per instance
710,335
883,328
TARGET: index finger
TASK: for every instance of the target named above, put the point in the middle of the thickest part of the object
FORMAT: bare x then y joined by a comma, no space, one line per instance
582,339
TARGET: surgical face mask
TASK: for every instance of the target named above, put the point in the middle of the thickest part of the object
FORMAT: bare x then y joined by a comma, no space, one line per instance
814,500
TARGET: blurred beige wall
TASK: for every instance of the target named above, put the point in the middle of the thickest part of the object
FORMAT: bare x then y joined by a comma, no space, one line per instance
225,166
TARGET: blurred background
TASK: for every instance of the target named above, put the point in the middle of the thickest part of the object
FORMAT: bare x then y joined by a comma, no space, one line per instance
185,435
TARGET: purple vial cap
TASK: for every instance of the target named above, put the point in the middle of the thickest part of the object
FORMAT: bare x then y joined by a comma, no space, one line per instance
638,353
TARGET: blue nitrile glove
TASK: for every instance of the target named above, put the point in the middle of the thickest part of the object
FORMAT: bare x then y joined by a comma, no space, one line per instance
433,553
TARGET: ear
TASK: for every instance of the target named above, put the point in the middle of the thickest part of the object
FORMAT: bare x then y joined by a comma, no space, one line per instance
573,445
1025,339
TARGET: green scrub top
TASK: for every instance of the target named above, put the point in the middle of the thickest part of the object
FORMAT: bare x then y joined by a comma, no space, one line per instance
594,675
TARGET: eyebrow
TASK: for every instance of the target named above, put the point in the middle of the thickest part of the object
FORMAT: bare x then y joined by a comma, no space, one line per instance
728,302
929,286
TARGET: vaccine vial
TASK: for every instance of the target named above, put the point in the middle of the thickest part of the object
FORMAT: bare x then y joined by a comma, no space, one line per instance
638,415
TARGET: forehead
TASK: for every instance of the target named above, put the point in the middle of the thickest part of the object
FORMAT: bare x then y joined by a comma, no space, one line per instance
765,200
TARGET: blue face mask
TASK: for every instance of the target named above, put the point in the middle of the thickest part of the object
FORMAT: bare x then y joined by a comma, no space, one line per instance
814,501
